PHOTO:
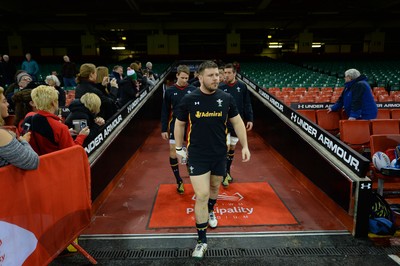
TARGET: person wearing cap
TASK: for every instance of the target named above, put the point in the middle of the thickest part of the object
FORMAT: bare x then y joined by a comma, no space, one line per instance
128,88
22,81
86,79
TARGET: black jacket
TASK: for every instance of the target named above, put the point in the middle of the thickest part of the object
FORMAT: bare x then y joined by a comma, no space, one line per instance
108,106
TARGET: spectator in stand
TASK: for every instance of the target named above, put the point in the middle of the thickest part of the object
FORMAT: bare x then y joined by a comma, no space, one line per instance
106,85
68,72
142,80
118,73
86,79
15,151
86,108
149,67
53,81
357,98
150,78
128,88
49,134
9,70
23,106
23,80
31,67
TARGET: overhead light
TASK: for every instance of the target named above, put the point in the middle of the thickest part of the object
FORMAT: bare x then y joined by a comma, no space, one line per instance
118,48
316,45
275,45
123,38
269,36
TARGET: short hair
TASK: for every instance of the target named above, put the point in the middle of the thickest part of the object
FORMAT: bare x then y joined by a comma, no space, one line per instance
102,72
230,66
135,66
116,67
352,73
183,68
149,64
54,78
205,65
91,101
43,96
85,70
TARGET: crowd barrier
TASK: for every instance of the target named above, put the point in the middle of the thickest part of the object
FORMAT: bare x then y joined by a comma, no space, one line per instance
44,210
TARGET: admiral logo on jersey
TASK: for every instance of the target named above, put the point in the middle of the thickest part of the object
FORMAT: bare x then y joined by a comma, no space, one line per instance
208,114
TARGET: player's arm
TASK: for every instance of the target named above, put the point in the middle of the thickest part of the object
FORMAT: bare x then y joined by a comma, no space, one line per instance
179,132
240,130
248,110
165,111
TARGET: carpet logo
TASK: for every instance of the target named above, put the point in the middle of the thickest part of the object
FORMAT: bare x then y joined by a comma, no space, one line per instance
241,204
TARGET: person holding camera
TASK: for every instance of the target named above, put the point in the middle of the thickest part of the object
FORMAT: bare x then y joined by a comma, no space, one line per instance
48,133
84,113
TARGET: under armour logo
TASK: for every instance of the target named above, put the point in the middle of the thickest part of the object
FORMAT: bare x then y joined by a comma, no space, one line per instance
366,185
196,103
175,93
219,101
293,117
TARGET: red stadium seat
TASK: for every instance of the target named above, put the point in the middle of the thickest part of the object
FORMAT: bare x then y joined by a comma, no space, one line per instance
328,121
383,113
355,133
395,113
310,114
385,126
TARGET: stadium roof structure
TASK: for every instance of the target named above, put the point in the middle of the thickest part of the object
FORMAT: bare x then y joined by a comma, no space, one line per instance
203,22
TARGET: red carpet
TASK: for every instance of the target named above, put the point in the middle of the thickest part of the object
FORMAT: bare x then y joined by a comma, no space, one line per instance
241,204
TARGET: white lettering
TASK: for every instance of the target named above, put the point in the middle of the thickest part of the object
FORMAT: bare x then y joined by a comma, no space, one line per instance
340,152
94,143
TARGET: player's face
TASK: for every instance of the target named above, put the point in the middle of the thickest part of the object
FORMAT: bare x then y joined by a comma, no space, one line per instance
221,76
209,79
182,79
229,75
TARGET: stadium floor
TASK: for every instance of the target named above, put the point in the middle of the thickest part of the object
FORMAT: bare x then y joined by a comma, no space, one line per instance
123,231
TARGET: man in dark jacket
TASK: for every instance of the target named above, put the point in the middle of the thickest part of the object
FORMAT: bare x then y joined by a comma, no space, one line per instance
356,98
68,72
128,88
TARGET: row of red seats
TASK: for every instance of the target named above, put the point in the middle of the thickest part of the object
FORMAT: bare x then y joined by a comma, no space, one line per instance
330,121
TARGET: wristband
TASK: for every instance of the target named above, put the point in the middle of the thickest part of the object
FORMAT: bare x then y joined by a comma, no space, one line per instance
178,148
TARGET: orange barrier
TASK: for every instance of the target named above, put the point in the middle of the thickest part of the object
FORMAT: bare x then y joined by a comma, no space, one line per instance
44,210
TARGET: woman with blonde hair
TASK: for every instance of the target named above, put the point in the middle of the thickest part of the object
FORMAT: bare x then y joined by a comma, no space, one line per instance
85,110
49,134
86,79
14,151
